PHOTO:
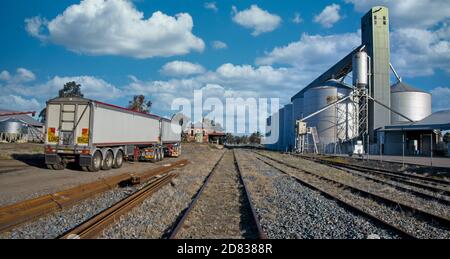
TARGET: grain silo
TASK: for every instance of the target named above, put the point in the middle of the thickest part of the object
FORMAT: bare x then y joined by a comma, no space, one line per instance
330,124
410,102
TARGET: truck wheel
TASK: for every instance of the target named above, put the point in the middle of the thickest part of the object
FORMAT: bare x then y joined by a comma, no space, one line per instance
96,163
59,166
108,162
118,162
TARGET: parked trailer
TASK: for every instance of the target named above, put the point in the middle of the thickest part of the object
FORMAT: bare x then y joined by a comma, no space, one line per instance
100,136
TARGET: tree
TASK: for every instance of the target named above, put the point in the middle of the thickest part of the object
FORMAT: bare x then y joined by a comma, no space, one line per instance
71,89
255,138
139,104
229,138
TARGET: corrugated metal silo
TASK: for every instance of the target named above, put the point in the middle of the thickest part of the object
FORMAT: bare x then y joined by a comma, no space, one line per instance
409,101
281,144
326,122
13,126
288,128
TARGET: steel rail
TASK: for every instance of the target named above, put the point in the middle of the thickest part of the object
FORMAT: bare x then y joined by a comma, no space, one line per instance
385,178
347,205
424,179
429,216
180,223
261,233
19,213
95,225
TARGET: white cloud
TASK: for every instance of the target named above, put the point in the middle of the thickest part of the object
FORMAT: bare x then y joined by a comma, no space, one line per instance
25,89
35,26
312,54
219,44
21,75
91,87
297,18
409,13
441,97
211,6
329,16
17,103
419,52
5,76
260,21
181,68
116,27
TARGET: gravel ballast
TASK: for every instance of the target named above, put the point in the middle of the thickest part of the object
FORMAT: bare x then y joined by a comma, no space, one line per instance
288,209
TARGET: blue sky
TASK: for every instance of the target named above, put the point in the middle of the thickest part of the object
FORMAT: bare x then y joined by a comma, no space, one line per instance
118,48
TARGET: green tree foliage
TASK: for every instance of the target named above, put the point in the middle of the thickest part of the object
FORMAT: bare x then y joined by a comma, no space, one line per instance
140,104
255,138
71,89
229,138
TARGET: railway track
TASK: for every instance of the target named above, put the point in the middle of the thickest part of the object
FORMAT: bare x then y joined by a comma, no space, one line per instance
429,191
320,181
419,180
222,208
95,225
13,215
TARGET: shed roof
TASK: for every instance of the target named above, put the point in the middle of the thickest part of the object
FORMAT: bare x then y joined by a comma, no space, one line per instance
437,121
24,118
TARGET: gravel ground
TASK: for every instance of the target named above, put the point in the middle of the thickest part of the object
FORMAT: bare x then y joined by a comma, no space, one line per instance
393,214
222,210
59,222
55,224
34,181
380,189
157,214
290,210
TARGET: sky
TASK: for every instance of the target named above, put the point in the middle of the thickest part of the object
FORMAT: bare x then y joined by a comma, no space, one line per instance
167,49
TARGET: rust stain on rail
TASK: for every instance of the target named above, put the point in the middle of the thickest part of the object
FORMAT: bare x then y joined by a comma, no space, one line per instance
21,212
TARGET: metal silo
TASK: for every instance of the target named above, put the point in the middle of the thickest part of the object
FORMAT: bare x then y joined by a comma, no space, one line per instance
297,109
13,126
288,135
409,101
333,123
281,139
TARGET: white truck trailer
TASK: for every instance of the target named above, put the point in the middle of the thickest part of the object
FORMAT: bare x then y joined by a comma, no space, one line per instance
100,136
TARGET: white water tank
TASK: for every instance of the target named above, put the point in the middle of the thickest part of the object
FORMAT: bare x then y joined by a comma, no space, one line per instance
409,101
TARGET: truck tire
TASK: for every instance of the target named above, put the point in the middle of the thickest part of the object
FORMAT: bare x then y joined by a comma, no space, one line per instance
108,161
60,165
118,162
155,157
96,163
